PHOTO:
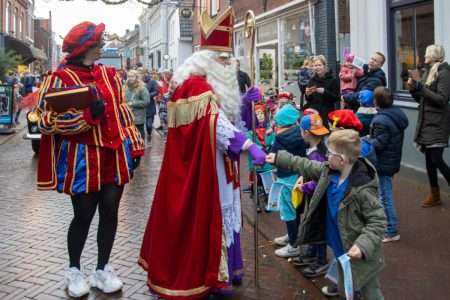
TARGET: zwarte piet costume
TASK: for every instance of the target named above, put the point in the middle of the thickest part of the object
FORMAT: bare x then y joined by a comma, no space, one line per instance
88,153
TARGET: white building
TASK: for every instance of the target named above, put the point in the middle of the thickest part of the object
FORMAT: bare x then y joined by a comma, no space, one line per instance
166,35
180,35
401,29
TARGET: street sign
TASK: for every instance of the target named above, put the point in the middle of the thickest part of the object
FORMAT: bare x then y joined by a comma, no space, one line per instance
6,104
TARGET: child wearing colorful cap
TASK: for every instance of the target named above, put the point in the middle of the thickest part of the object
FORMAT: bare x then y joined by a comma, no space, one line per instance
366,111
287,137
347,119
313,132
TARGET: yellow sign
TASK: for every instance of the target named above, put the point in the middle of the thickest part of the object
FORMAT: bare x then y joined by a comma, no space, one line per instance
22,69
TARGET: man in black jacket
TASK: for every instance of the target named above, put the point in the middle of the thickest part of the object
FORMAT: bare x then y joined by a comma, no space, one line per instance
243,79
153,90
373,77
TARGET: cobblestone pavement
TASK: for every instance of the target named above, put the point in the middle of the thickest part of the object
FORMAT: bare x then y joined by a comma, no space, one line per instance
33,228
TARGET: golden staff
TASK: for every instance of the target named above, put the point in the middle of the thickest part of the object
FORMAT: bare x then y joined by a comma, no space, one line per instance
249,31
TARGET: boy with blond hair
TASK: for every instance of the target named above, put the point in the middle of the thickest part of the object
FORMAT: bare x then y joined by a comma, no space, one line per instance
345,208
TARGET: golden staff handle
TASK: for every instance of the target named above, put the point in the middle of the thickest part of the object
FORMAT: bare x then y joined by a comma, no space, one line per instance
249,31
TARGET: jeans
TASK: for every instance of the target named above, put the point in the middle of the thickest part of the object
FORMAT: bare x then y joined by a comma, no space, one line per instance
388,203
149,125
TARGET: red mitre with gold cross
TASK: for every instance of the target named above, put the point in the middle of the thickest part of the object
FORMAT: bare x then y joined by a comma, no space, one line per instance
217,33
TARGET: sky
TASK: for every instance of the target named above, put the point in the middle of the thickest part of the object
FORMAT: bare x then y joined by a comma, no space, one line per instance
66,14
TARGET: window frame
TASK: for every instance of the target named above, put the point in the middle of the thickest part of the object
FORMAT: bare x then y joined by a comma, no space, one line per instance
402,95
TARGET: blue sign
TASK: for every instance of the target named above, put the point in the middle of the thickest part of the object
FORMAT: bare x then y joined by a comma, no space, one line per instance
6,104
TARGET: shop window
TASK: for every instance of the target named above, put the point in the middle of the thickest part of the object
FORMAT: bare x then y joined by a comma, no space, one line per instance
158,55
15,17
239,44
266,32
8,17
214,7
343,25
413,32
297,43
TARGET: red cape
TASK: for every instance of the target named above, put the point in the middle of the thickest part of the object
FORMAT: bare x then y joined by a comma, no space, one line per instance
181,250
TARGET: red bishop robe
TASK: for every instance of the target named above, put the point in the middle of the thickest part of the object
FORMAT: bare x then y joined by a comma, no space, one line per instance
182,246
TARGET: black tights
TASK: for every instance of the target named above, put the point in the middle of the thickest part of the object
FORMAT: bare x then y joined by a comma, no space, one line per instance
434,161
84,207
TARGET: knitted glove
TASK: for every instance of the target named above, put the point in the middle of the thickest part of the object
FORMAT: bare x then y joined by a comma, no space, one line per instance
259,156
97,108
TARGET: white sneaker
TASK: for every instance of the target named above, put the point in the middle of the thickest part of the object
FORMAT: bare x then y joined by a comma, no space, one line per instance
388,239
106,280
76,284
281,240
288,251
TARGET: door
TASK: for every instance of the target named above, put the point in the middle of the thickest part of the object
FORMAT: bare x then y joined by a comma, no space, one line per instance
268,67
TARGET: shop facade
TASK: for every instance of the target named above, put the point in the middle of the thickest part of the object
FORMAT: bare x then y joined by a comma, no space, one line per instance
286,33
284,37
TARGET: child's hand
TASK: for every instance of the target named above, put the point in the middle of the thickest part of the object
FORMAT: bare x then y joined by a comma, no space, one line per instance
270,158
299,184
355,252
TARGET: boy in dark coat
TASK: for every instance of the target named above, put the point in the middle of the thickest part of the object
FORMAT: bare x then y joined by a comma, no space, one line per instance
386,136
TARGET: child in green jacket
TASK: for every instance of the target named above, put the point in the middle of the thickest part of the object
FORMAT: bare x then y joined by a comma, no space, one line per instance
350,216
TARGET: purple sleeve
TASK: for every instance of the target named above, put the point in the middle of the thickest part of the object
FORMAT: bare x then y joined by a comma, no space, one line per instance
252,95
309,187
316,156
236,143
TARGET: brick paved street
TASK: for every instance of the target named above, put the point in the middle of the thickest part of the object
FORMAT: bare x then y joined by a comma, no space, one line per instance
33,228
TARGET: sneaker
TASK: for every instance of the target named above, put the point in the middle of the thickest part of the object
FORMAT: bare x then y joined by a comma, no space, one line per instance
76,284
304,260
315,270
330,291
288,251
394,238
106,280
281,240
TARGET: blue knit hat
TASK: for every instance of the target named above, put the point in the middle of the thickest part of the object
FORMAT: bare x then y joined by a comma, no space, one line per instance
366,98
287,116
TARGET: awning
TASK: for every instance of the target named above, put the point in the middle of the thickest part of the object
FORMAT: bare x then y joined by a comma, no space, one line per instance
28,53
38,53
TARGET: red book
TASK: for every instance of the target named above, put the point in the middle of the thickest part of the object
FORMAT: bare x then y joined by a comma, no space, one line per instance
63,99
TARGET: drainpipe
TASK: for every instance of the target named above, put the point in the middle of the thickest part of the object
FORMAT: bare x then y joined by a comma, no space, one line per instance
312,26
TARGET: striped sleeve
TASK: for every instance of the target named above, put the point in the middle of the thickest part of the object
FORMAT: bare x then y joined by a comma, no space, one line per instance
69,122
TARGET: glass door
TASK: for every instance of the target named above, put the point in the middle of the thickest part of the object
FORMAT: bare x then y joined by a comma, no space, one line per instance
268,67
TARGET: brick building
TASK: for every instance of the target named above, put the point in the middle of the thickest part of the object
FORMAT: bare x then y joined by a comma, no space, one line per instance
17,29
43,38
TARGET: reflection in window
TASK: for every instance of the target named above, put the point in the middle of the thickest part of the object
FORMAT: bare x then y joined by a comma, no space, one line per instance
297,44
414,31
267,32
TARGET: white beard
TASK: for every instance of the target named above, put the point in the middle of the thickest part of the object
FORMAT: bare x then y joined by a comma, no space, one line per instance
223,79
